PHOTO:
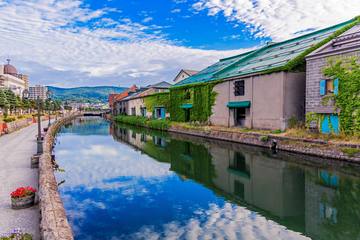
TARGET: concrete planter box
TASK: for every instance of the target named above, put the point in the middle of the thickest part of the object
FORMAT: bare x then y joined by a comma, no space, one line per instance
35,161
24,202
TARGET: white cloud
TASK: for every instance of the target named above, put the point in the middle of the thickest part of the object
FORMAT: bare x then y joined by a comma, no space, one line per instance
64,43
147,19
227,222
87,165
176,10
280,19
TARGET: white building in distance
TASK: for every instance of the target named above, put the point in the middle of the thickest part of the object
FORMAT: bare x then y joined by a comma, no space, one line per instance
11,79
38,91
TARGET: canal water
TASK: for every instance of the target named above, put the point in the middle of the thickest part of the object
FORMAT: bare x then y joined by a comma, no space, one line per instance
122,182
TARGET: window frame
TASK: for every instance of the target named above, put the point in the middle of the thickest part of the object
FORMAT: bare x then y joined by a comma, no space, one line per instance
239,88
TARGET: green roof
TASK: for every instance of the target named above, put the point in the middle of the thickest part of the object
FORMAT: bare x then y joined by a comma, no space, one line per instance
268,57
242,104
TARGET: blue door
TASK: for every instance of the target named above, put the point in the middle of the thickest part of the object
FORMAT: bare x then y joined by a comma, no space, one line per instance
162,113
330,124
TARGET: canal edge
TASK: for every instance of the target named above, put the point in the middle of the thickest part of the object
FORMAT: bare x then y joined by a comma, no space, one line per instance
53,221
309,147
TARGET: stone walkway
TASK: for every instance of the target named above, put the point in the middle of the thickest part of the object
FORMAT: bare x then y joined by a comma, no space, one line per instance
15,152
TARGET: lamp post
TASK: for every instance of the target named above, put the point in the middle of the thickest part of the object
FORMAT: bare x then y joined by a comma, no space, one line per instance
48,95
39,140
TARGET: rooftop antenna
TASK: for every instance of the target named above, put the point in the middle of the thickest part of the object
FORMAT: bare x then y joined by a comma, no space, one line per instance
8,61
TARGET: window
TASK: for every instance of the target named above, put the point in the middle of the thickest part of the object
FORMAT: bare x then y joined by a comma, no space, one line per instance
133,111
239,88
187,94
329,86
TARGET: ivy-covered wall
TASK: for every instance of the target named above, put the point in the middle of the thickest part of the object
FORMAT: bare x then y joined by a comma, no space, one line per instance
157,100
347,70
201,96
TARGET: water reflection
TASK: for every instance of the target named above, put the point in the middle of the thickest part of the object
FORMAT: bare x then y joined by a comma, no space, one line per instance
198,188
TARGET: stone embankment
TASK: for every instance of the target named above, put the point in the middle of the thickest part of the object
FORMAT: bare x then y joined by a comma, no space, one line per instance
54,224
317,148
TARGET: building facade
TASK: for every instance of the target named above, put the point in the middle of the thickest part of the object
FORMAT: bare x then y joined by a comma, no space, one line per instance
183,74
262,89
38,91
319,87
134,104
11,79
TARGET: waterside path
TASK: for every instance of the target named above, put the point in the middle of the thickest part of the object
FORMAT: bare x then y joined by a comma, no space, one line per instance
15,152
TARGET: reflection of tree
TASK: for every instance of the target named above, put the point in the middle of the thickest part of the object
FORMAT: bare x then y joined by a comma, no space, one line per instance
192,161
347,203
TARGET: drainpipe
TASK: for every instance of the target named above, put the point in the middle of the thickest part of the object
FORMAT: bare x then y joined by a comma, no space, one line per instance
252,102
226,106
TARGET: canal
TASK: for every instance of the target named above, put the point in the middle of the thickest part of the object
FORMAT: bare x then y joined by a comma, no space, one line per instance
123,182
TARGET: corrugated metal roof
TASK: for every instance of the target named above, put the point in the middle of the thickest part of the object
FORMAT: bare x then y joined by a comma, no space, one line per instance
265,58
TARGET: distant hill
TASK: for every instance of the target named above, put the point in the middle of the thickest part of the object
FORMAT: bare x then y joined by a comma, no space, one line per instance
85,94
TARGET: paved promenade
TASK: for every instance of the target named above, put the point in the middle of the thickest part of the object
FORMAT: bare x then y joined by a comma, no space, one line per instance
15,152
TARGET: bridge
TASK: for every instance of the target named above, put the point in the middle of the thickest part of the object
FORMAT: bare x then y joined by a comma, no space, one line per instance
96,113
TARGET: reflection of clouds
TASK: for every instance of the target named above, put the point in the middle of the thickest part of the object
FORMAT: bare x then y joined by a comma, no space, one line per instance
95,161
228,222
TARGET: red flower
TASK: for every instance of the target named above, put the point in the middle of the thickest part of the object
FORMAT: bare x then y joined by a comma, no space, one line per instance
23,192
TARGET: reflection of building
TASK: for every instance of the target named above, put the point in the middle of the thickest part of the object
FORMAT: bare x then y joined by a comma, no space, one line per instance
38,91
11,79
316,202
259,180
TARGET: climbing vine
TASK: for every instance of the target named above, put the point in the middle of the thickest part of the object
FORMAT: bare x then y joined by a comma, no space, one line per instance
347,70
157,100
201,96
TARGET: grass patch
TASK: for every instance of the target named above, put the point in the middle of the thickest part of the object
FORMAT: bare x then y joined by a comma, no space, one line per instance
159,124
351,152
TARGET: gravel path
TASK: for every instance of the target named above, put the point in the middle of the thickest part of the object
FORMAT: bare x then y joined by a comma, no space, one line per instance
15,152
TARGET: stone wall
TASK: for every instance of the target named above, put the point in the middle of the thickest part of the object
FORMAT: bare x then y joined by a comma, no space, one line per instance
303,146
54,224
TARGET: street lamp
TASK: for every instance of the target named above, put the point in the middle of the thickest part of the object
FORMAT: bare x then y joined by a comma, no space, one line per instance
48,96
39,140
25,95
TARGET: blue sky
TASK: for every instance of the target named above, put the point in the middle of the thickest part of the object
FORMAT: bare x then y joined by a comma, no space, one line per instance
183,25
116,42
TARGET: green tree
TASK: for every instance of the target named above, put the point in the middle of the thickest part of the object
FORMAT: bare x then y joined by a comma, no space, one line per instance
19,103
11,99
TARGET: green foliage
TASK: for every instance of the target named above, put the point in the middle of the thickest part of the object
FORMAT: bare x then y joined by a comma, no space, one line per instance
347,70
157,100
293,122
8,119
202,98
312,117
350,151
264,138
144,122
277,131
11,99
85,94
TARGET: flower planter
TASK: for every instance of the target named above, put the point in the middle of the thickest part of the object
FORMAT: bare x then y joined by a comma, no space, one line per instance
23,202
23,197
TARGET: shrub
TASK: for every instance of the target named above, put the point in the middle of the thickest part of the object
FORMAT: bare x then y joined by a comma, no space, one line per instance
293,122
144,122
264,138
277,131
350,151
9,119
